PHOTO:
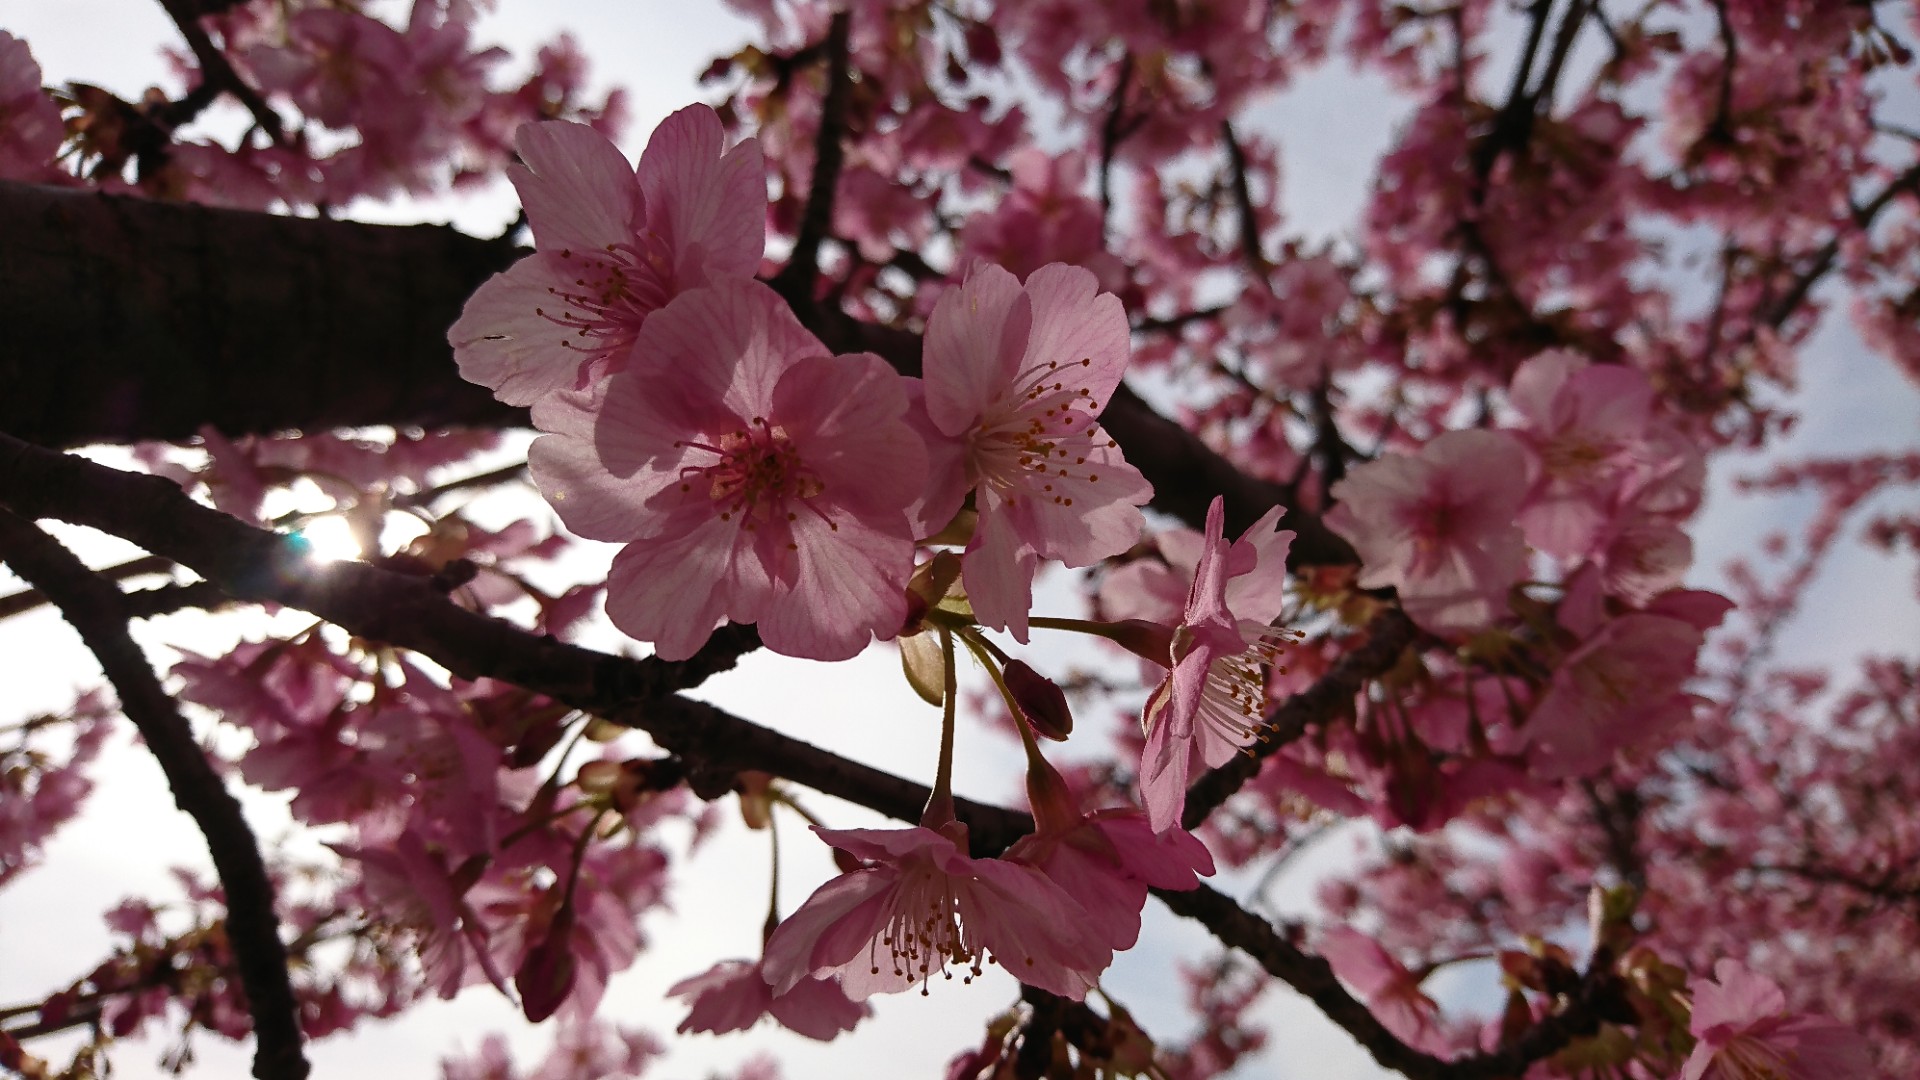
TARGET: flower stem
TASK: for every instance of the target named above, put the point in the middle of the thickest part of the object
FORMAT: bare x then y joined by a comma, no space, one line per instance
940,803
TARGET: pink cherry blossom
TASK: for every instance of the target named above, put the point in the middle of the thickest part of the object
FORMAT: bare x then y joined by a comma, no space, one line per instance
1585,427
733,995
1439,526
1214,698
751,475
1621,687
1389,989
614,244
1108,860
921,904
30,128
1746,1033
1015,376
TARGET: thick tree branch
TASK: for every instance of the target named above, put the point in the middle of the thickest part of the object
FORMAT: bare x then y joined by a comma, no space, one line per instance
129,320
97,610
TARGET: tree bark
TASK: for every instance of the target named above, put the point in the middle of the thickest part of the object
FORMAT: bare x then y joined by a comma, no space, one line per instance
128,319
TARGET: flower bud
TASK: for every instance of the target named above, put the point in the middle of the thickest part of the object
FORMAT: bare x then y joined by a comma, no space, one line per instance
1041,700
545,977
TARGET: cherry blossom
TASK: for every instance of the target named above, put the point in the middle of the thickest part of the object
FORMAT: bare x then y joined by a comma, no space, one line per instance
1106,860
768,485
1015,375
920,904
734,994
1213,701
1439,526
615,244
1746,1031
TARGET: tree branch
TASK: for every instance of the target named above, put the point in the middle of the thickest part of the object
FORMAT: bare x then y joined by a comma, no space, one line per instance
165,316
796,280
98,611
216,72
714,746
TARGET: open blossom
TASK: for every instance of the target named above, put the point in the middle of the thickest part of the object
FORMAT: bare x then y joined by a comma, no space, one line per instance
1623,685
752,475
614,245
1585,427
1214,699
733,995
1015,376
922,904
1391,991
1746,1033
1106,860
1439,526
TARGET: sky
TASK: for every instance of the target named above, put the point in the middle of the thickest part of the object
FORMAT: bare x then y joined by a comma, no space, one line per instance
1334,125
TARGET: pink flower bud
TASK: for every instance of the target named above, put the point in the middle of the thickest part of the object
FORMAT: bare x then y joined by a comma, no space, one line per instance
545,977
1041,700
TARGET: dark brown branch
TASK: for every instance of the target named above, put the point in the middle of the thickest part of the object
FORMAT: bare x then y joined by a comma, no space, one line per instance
27,599
168,317
1863,217
1311,976
796,280
1249,225
129,319
97,610
1596,995
1515,118
1540,98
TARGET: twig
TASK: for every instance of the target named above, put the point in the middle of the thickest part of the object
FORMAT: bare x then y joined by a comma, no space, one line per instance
1243,199
97,610
1111,134
27,599
797,278
217,72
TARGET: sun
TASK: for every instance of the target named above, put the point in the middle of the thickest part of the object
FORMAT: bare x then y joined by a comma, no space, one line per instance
329,539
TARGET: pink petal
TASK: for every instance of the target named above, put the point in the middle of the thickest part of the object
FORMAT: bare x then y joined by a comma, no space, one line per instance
578,190
850,586
831,930
968,361
1163,776
672,591
709,203
1074,321
997,571
502,340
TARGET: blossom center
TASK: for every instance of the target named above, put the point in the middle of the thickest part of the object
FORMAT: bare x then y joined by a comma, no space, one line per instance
1747,1058
611,291
758,472
923,932
1034,441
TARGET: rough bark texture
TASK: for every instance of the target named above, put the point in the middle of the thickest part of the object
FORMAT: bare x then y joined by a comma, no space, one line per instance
128,319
